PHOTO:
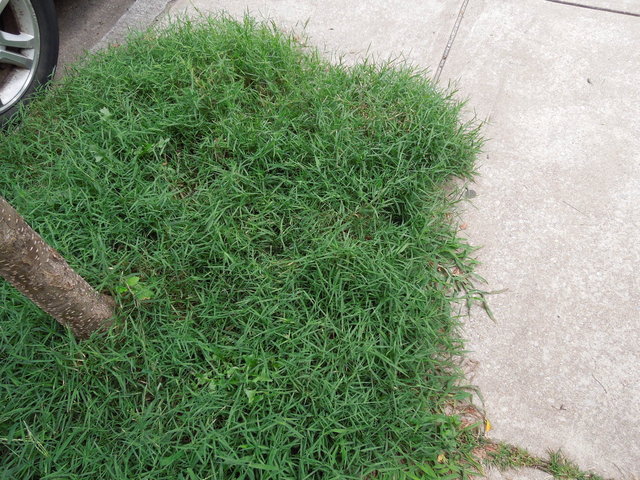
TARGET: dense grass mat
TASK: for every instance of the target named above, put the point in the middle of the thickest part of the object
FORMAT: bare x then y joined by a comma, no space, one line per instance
276,232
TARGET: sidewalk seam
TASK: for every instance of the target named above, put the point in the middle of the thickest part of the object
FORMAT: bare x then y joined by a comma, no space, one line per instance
590,7
452,37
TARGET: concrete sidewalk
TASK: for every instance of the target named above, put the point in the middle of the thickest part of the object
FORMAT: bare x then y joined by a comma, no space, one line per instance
558,202
558,213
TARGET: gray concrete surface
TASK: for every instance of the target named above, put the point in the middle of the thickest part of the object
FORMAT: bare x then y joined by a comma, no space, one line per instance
87,25
558,212
558,202
629,6
83,23
519,474
350,29
139,16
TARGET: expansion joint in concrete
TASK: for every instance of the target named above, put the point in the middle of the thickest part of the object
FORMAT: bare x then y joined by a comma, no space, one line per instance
452,38
591,7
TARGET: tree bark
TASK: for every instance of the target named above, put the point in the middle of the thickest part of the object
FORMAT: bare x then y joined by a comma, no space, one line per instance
43,276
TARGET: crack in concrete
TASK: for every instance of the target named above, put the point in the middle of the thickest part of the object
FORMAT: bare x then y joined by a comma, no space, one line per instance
452,38
590,7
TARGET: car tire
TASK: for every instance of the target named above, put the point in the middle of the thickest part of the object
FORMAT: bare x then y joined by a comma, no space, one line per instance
28,51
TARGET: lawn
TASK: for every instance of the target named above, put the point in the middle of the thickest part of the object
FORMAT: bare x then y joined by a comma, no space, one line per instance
278,234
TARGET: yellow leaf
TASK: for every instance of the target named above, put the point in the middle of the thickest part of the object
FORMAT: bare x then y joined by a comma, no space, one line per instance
487,425
441,458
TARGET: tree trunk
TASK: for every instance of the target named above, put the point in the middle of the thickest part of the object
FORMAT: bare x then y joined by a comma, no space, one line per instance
43,276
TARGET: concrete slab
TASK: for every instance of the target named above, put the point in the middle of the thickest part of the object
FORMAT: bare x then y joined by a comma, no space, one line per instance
519,474
93,24
417,30
139,16
558,213
83,23
628,6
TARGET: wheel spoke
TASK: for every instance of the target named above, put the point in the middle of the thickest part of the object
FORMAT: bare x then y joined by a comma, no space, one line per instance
16,59
22,40
3,4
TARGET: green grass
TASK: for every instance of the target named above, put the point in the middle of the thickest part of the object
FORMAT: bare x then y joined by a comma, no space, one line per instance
291,231
563,469
507,457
